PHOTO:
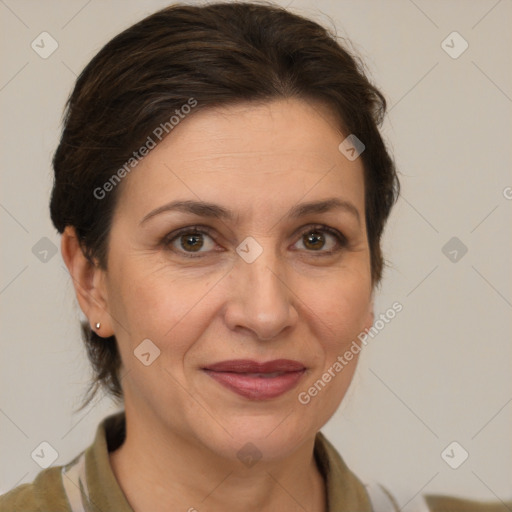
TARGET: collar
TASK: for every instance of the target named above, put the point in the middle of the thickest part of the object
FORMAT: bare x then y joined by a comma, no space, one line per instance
90,484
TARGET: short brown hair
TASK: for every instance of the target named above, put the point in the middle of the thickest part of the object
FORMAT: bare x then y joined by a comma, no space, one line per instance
219,54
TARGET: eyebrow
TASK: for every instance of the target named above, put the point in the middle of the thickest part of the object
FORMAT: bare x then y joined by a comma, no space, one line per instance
215,211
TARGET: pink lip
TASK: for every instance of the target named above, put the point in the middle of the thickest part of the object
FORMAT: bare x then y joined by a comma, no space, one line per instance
235,375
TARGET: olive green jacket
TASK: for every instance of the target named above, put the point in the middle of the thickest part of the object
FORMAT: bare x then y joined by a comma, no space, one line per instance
88,484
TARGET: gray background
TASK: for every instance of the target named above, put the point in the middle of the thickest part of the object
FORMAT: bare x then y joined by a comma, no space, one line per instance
438,373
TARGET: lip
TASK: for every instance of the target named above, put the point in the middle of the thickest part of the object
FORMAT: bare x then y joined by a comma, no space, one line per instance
246,377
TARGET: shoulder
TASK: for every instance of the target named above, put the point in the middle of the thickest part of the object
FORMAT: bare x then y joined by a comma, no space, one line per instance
346,491
66,487
45,493
443,503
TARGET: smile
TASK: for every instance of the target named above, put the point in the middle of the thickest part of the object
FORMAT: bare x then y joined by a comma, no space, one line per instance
257,381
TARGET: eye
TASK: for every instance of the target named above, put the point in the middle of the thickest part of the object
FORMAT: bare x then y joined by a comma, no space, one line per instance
194,240
317,237
190,240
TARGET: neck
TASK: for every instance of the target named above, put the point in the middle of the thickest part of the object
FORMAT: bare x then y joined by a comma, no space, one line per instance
171,474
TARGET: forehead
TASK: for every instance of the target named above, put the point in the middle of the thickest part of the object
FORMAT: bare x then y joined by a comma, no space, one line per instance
248,156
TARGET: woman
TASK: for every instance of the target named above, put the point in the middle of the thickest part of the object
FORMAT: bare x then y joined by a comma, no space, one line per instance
221,188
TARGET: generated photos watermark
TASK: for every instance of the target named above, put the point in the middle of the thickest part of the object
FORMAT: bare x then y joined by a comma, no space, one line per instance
159,133
385,318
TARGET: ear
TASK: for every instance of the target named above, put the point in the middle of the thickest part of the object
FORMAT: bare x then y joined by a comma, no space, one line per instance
89,283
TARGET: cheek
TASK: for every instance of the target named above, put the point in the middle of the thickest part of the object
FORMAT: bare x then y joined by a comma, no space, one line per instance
341,307
340,313
166,309
148,300
148,304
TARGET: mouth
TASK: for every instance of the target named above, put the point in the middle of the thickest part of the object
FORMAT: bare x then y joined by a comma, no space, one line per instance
257,380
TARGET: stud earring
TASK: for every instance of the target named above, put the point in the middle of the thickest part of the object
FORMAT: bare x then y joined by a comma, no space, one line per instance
98,325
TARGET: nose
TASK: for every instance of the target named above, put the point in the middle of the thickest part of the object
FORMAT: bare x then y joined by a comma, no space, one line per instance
261,299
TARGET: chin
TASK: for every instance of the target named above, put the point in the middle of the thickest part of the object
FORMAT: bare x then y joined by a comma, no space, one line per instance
263,437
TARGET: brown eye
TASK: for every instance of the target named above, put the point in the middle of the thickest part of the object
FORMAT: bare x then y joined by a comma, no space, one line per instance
323,240
190,240
314,240
193,242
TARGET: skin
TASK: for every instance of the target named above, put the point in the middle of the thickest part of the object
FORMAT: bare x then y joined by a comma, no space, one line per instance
294,301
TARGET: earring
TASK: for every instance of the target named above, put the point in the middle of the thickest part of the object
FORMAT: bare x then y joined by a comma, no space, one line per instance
98,325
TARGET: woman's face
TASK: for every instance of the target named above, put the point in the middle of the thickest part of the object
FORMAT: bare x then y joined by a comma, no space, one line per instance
263,281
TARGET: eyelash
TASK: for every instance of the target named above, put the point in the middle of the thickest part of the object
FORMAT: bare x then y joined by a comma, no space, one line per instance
204,230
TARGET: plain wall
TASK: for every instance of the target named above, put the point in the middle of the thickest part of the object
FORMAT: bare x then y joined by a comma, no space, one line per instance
438,372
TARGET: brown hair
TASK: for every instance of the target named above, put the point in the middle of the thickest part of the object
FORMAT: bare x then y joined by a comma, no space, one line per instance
217,54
